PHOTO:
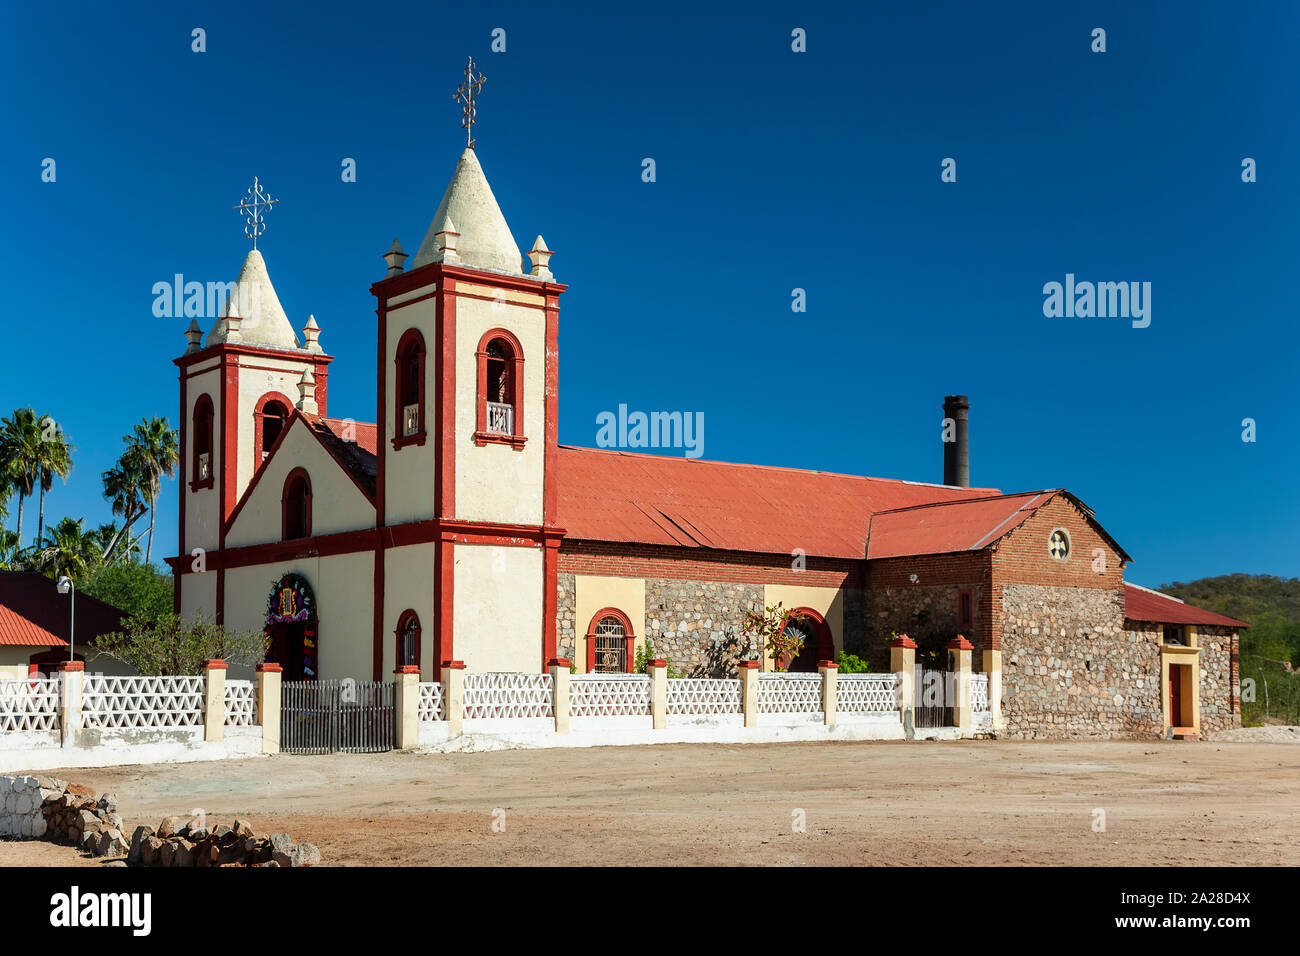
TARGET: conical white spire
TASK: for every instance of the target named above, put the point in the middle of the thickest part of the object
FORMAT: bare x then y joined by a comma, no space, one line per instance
254,301
485,239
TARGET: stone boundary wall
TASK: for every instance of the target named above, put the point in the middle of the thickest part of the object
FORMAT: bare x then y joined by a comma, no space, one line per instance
696,624
1220,678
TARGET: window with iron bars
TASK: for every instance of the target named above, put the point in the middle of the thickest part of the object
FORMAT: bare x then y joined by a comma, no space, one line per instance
611,646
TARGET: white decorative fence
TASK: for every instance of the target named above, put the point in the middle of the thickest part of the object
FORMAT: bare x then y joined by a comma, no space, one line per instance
241,703
867,694
127,702
979,693
507,695
609,695
430,706
704,695
789,693
29,704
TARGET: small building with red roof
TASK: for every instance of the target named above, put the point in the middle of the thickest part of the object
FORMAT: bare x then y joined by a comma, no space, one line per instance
35,620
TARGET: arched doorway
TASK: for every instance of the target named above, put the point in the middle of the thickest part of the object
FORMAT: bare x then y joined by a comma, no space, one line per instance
817,644
292,625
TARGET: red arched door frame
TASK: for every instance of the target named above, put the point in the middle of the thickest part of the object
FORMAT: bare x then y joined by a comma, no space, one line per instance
808,658
630,637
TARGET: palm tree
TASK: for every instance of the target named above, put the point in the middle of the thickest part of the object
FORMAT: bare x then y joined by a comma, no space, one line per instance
155,449
122,486
68,549
20,442
8,548
54,458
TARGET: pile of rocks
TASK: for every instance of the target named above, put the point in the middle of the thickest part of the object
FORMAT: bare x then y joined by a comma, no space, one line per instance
177,842
34,807
21,805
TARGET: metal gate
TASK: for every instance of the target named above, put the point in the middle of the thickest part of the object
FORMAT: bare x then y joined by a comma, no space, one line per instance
931,703
328,716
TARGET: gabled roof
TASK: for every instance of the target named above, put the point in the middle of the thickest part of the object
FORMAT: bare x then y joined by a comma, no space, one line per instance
611,495
948,526
1144,604
469,208
352,445
33,613
265,322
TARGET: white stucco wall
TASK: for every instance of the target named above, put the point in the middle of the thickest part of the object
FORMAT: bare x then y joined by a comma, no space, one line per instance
408,583
337,503
259,375
409,471
199,594
495,482
203,507
498,608
343,585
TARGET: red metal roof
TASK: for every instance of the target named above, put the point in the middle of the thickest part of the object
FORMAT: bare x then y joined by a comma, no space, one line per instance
611,495
950,526
33,612
1143,604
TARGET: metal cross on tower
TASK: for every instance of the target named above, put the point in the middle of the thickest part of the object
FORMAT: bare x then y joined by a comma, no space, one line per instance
465,94
252,211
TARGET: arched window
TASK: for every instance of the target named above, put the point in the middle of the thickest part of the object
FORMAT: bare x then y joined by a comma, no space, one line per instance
408,639
408,390
818,645
500,390
296,505
201,464
610,643
270,415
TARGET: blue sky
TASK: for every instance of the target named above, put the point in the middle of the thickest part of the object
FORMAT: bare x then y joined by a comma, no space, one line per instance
776,170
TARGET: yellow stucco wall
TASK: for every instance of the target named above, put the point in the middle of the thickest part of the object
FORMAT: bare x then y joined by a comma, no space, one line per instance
498,608
409,584
337,503
345,603
591,594
828,602
496,482
1187,661
409,471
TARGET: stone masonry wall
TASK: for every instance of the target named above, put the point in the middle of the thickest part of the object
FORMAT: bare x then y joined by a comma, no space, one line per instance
696,624
565,611
1071,669
1217,692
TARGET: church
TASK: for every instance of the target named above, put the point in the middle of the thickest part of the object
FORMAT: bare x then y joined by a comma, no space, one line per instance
455,527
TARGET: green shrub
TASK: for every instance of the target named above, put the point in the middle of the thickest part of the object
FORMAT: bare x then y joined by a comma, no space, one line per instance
852,664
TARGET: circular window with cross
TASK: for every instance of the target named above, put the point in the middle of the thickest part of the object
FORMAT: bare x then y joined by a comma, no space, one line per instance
1058,544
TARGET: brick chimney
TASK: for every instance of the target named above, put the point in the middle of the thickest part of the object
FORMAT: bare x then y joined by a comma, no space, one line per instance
956,453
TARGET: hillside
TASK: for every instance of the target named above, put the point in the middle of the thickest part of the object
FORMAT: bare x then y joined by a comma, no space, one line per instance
1272,607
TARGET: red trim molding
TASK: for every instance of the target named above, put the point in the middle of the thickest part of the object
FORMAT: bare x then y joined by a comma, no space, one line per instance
269,667
216,664
259,419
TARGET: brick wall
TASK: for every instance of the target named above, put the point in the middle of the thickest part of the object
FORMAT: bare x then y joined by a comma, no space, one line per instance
702,564
918,596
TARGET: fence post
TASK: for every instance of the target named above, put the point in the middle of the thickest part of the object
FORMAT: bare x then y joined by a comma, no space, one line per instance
71,674
214,700
453,695
749,691
268,706
993,667
408,706
829,671
902,661
559,668
658,693
959,666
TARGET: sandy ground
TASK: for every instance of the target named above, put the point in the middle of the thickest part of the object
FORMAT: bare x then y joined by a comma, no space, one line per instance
970,802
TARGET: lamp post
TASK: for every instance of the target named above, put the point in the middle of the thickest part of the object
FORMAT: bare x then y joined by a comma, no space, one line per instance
67,587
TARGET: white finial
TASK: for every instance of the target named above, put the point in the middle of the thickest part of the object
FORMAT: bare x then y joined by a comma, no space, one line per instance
311,335
307,391
195,336
232,327
395,257
446,240
541,257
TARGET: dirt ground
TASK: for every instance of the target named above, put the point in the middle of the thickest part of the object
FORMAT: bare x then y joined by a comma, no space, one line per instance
968,802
